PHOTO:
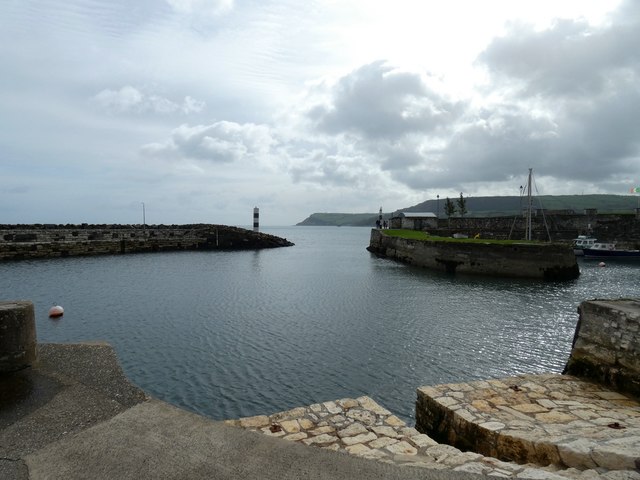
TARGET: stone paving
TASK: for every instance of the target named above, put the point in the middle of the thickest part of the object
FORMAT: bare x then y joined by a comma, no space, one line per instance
544,419
364,428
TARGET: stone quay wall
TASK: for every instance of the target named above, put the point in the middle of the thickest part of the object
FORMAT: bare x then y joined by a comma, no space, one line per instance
620,228
606,345
587,418
20,242
544,261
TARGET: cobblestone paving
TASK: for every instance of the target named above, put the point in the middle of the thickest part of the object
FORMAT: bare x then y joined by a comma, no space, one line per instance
544,419
364,428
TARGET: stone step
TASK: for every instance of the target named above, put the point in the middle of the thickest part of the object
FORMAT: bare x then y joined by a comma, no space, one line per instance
541,419
364,428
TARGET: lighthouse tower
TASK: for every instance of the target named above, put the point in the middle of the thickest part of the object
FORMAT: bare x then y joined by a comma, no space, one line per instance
256,219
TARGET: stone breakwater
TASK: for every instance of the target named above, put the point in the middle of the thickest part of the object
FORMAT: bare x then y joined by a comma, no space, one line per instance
543,261
19,242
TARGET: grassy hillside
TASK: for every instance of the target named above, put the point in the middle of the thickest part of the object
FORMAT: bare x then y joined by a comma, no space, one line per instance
488,207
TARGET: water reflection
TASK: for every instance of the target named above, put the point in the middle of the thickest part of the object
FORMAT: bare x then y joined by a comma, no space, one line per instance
231,334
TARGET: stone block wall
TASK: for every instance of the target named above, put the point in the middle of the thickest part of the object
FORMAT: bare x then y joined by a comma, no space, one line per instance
20,242
543,261
621,228
606,345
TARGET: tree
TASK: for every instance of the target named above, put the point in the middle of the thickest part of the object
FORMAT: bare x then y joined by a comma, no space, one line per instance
462,205
449,209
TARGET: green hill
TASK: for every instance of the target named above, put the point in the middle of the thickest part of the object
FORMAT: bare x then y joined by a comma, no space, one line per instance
488,207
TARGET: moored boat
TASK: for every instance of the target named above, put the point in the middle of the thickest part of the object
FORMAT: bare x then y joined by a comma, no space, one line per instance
609,250
582,242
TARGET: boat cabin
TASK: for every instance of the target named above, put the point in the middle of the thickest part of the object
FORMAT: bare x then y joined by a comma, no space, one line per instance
582,242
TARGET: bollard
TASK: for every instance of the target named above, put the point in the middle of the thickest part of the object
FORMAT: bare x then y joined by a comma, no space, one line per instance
17,336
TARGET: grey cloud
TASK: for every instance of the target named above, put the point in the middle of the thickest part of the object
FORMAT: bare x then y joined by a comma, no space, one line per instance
602,136
320,167
594,142
401,157
570,59
221,142
570,109
499,144
376,101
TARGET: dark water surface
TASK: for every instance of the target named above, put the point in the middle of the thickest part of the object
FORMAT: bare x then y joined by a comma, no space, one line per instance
233,334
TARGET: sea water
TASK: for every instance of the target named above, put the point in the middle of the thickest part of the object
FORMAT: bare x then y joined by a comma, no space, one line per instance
234,334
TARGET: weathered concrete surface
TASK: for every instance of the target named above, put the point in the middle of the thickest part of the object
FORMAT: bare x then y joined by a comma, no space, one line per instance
156,440
606,345
17,335
75,416
543,419
543,261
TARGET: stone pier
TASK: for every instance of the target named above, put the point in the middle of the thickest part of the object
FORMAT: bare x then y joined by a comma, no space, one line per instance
541,419
587,420
539,426
363,428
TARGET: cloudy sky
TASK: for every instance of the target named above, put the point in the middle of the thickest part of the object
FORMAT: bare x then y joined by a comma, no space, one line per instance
203,109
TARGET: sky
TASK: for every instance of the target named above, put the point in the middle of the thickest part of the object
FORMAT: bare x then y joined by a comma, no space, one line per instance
196,111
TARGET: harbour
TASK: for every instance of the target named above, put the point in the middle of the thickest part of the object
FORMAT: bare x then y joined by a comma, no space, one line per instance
235,334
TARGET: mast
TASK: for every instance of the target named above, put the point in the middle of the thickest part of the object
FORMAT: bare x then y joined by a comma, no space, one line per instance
529,206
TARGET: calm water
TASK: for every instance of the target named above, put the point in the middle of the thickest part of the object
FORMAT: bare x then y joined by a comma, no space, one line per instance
233,334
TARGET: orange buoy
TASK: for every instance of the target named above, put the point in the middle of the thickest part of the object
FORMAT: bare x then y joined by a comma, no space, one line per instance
56,311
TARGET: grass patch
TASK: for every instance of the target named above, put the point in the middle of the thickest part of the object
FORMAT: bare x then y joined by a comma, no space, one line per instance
418,235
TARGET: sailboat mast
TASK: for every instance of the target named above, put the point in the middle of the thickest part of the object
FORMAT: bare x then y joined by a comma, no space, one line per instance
529,206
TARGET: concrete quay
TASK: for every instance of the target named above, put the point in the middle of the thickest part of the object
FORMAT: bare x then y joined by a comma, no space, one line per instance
74,415
362,428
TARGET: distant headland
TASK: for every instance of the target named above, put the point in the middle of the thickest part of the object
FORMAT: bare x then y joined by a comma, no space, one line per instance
506,206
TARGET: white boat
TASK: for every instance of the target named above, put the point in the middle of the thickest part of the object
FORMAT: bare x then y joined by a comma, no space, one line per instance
582,242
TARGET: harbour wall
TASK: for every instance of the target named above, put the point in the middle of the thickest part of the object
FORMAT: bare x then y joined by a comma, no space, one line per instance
20,242
621,228
586,418
543,261
606,345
